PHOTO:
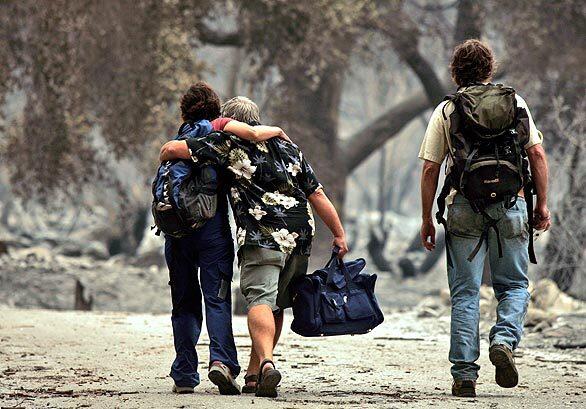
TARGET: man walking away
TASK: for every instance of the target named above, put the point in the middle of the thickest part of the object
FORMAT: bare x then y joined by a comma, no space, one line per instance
271,192
209,249
488,136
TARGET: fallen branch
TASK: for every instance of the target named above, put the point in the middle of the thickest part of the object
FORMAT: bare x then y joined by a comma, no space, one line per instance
398,339
561,361
571,346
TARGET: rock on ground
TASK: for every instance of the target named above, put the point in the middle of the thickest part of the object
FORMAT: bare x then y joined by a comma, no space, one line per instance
39,277
107,360
546,304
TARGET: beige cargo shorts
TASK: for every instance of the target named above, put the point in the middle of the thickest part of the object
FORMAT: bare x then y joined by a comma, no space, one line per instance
266,276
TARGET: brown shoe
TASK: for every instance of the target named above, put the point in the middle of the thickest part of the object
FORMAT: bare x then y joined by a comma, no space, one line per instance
183,389
221,376
506,375
464,388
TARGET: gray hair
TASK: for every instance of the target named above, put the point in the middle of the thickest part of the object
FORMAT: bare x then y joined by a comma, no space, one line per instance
241,109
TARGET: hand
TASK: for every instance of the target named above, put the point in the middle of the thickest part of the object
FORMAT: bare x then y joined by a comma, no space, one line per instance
282,135
428,234
174,150
541,217
340,242
164,153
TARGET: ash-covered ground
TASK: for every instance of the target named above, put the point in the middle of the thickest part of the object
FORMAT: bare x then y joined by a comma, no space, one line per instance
106,360
121,358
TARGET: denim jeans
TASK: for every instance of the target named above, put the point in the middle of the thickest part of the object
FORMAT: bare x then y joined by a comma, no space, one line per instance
212,250
509,280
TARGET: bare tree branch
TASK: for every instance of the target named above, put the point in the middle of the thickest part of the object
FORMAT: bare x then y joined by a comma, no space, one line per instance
360,145
436,7
469,22
363,143
425,72
405,37
218,38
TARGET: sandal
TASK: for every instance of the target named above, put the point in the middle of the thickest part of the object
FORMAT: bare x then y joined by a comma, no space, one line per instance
267,380
250,378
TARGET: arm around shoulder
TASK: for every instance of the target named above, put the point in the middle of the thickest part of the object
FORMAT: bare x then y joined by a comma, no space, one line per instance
174,150
257,133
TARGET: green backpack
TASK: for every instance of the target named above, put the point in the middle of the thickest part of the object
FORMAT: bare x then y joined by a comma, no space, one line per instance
488,132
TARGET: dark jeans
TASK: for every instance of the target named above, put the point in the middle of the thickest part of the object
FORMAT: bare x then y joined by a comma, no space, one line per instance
213,252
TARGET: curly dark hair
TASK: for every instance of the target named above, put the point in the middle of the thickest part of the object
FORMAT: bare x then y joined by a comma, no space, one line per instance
472,62
200,102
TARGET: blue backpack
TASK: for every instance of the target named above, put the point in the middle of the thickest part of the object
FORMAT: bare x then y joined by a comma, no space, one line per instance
185,194
336,300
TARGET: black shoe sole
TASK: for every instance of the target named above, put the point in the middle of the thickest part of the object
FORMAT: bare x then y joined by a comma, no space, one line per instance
183,392
506,375
224,385
248,389
465,393
268,387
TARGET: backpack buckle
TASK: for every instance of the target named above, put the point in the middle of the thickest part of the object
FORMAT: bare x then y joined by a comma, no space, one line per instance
163,206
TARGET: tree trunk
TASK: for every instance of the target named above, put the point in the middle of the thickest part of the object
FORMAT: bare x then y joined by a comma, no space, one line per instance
469,21
82,301
375,247
564,253
382,194
310,116
6,210
234,71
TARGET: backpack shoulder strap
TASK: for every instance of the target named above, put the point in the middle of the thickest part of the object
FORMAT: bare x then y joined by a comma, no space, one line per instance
448,98
441,203
528,192
441,208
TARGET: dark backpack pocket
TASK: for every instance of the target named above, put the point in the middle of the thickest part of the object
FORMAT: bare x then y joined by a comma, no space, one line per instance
492,180
306,318
198,206
197,198
358,306
167,220
332,307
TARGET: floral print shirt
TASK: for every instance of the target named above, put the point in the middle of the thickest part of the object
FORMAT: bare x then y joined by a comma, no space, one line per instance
269,191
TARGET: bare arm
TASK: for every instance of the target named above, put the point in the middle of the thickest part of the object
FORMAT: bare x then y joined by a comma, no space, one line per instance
327,212
539,171
257,133
429,179
174,150
179,150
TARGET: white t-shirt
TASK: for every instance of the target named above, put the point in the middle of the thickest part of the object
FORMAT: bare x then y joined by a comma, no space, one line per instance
436,142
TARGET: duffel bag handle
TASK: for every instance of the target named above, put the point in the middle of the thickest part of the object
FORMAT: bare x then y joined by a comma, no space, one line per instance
341,266
335,252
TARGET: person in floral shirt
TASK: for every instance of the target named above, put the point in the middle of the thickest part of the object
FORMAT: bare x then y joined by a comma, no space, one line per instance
272,188
269,193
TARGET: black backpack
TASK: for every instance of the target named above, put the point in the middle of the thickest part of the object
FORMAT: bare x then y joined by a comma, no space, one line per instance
488,132
184,193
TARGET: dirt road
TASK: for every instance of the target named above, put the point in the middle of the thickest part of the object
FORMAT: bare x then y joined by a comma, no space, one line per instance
109,360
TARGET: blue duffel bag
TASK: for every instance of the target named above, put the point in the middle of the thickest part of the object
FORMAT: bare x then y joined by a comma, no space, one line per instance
336,300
